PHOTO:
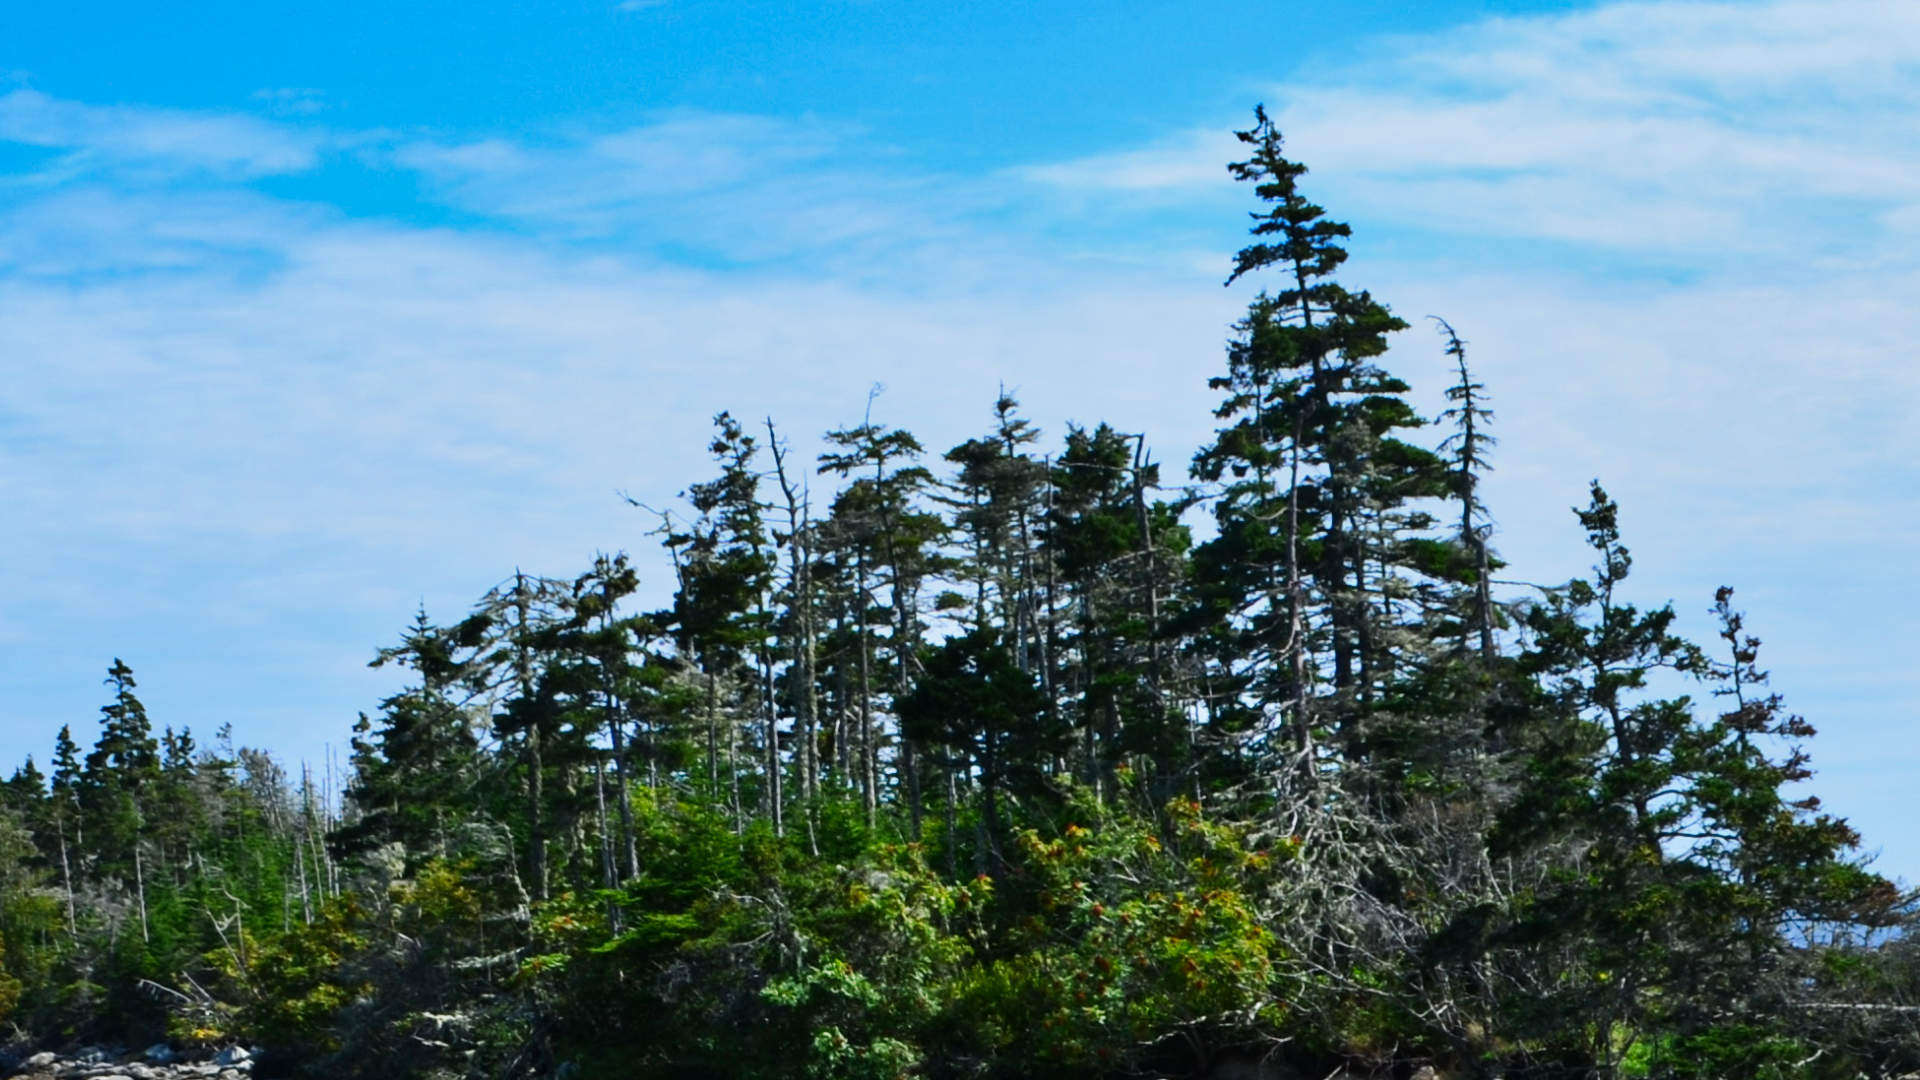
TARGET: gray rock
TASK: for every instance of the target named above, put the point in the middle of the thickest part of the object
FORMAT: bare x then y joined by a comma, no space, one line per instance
233,1057
41,1060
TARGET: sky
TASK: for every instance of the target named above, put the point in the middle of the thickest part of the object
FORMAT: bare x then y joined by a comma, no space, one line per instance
315,315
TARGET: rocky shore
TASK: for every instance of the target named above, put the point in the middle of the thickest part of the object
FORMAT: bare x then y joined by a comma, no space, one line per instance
157,1063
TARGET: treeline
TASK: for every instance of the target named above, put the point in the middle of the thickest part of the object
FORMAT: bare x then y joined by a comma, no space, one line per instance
991,762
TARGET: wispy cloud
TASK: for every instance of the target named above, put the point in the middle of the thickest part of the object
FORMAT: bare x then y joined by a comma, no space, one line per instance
1743,129
1190,162
153,142
718,188
680,154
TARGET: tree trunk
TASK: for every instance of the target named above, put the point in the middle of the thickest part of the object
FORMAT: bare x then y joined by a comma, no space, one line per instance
66,880
140,884
775,794
523,672
713,740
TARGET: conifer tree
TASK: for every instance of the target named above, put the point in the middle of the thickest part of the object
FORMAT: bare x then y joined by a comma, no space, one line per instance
1467,446
879,536
507,658
982,709
63,811
117,785
725,563
1771,866
413,775
596,678
1116,555
1310,466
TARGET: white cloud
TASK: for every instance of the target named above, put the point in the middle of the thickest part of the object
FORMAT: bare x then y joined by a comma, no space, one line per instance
1195,160
736,190
680,154
154,141
1747,129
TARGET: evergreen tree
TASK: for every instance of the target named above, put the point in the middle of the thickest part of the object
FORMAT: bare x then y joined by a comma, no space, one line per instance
1311,469
1768,867
1467,447
414,775
981,708
116,787
1117,556
594,690
725,563
877,536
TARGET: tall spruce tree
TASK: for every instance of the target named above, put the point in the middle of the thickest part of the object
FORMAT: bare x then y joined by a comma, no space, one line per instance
879,536
1310,469
414,774
725,561
115,788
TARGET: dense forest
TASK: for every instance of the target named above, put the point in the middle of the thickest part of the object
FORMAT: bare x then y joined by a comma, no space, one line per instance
1013,759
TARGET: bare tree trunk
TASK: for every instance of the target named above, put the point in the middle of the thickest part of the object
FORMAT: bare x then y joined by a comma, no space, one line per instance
869,768
607,872
1046,633
653,756
66,881
809,678
1148,550
952,839
1483,595
713,740
140,884
616,729
1296,632
842,740
775,794
306,898
806,704
733,774
310,825
623,798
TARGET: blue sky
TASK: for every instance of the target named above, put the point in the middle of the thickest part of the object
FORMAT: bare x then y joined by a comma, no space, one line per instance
314,314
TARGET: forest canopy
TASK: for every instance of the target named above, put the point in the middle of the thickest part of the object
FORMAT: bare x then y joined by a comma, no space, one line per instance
1006,759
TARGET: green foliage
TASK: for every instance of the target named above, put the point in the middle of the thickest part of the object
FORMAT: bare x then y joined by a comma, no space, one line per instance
1120,937
9,986
292,986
